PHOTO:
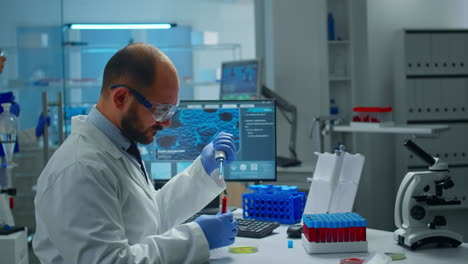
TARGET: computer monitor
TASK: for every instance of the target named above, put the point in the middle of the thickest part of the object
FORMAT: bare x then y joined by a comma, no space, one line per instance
240,80
196,123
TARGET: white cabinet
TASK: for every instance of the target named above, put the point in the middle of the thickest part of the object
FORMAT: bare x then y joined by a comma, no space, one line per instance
433,91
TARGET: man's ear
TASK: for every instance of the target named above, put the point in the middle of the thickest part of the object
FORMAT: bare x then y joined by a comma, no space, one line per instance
120,97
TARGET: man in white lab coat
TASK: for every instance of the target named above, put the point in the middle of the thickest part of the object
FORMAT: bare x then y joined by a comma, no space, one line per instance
95,202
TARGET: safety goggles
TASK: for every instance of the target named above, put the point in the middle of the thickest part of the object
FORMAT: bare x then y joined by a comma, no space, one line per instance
161,112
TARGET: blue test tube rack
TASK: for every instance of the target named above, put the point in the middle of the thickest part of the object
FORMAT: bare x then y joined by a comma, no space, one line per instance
282,203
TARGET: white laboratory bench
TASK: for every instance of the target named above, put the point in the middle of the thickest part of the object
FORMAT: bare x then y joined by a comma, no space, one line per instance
274,249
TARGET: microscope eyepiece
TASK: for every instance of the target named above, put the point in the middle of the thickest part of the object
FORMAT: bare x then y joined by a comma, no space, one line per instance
411,146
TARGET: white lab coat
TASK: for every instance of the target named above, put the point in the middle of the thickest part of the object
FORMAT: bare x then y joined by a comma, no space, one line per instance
94,206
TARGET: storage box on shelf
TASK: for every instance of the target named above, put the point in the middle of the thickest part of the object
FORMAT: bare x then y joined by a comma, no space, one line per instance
372,116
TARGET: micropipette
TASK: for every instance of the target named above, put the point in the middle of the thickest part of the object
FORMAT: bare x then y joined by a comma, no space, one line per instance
220,156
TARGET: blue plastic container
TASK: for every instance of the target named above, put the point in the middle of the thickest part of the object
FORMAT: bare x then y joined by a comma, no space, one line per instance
271,203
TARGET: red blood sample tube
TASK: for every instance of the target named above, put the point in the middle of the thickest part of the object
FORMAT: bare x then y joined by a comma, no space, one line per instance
312,234
357,235
317,233
352,231
340,230
329,231
306,232
364,230
323,233
224,207
335,231
360,233
346,232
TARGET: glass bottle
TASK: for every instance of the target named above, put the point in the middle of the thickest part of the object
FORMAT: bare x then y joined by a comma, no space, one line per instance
8,133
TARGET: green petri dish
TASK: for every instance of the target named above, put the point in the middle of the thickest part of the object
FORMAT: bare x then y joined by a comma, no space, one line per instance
243,250
395,256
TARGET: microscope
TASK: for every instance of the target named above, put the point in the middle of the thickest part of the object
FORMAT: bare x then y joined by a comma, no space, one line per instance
419,196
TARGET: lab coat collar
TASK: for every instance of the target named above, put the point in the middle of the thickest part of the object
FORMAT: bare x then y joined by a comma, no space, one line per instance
81,127
112,132
87,130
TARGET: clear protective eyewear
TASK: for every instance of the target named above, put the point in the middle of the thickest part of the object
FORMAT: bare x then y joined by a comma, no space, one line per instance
161,112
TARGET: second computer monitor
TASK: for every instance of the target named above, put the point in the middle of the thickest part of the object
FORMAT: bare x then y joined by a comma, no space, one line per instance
240,80
196,124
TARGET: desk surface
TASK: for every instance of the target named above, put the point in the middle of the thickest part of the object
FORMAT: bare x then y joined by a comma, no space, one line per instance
274,249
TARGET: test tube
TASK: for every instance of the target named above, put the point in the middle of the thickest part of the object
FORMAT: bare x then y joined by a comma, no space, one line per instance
323,230
224,205
346,230
352,229
334,229
364,230
329,229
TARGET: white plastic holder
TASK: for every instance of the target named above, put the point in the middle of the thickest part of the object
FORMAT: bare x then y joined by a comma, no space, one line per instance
334,247
334,184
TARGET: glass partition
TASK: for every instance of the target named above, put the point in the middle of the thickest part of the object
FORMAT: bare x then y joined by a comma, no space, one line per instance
32,44
56,72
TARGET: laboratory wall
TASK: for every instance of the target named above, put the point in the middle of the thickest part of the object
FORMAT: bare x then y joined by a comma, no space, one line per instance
385,23
26,13
290,39
232,19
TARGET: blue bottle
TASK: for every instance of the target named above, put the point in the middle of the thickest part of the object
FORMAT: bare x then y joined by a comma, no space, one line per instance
334,110
331,27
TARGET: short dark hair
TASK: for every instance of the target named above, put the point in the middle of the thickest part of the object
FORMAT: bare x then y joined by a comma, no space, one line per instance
134,65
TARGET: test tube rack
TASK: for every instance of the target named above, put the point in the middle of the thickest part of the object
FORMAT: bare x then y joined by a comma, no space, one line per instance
283,204
334,233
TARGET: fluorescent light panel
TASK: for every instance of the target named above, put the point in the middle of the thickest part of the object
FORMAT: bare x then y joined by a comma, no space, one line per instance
121,26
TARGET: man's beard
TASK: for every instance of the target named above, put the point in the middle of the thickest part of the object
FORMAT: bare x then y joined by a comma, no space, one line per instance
131,131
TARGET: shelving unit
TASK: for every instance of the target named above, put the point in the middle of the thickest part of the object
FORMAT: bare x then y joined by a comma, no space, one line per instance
401,129
340,67
435,92
342,90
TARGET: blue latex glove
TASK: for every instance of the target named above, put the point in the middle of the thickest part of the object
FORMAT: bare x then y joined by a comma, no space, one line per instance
8,97
14,109
41,123
220,229
223,141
